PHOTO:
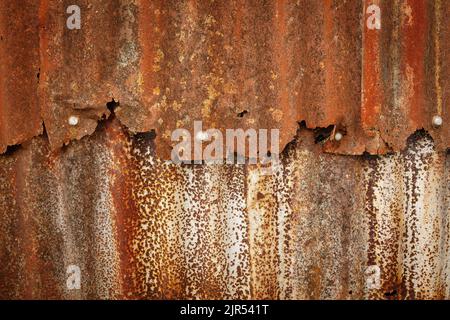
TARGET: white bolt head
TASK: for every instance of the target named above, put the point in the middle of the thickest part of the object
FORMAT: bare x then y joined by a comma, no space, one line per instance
338,136
437,121
73,120
202,135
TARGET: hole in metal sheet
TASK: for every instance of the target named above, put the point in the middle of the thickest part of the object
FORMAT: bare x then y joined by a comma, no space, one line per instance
146,135
322,134
112,105
11,149
242,114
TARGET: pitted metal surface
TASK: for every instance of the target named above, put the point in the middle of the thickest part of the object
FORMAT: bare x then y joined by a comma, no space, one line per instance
140,227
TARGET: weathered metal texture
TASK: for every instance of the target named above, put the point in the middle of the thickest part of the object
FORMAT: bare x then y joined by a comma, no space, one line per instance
231,64
405,79
84,69
140,227
19,67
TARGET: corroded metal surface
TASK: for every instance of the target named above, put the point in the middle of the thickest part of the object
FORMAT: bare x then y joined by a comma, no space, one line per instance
139,227
19,67
323,225
231,64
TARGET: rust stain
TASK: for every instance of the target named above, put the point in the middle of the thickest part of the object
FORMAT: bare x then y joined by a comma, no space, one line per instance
142,228
19,66
99,193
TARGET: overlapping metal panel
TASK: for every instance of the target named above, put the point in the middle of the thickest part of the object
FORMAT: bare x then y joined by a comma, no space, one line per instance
19,66
139,227
326,224
277,63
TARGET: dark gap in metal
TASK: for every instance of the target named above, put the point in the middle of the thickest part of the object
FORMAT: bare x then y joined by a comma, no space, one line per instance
242,114
112,105
322,134
11,149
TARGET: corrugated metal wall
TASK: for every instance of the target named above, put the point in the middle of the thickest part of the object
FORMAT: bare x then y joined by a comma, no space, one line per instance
321,226
170,63
139,227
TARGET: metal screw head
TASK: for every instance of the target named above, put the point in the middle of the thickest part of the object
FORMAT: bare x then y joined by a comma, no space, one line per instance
437,121
338,136
73,120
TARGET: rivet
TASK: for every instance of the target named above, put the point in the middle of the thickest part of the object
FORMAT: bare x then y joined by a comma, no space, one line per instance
338,136
437,121
73,120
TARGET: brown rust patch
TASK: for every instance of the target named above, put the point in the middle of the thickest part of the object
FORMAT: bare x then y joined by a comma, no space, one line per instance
19,68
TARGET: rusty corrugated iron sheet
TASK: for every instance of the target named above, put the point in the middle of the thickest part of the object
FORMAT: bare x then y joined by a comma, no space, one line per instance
140,227
20,118
275,63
